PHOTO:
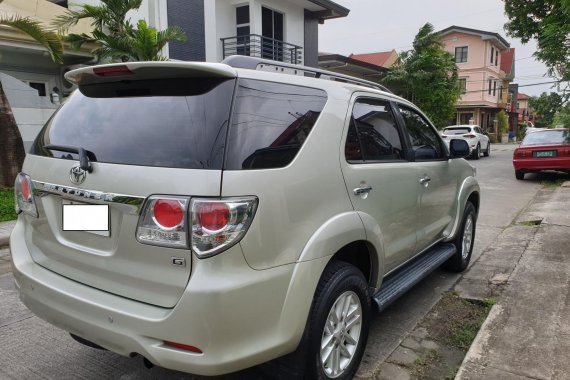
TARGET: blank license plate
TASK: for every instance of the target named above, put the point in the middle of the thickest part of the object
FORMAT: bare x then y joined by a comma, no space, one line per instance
88,218
545,153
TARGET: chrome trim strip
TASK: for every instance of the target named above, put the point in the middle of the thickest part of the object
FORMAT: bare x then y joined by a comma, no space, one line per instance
128,203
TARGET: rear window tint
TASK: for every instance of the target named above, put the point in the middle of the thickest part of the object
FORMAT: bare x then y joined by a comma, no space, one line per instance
456,131
179,123
270,123
547,137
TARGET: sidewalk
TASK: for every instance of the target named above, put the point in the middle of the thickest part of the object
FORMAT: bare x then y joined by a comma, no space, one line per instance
5,231
527,333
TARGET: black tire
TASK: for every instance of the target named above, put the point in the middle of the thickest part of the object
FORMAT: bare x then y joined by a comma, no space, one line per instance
476,153
460,260
519,174
339,280
487,152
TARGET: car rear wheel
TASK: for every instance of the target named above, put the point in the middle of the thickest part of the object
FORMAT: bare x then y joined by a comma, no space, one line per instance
519,174
339,321
477,152
487,152
463,241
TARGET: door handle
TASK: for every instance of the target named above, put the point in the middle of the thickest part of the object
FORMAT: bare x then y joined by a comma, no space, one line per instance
362,190
425,180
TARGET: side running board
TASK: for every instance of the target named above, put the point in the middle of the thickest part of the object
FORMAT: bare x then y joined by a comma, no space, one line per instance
404,278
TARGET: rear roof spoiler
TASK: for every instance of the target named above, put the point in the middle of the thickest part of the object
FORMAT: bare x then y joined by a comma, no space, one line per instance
148,70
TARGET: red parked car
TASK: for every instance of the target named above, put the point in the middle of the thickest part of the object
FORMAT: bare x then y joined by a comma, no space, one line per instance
548,149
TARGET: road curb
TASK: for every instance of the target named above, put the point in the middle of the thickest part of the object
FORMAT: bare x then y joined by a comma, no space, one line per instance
477,349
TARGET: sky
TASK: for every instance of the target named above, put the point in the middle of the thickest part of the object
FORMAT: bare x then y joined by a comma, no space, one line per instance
380,25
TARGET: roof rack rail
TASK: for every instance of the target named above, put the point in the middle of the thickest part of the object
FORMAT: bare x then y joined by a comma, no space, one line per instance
254,63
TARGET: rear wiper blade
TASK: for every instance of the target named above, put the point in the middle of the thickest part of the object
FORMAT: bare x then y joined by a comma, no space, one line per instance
84,155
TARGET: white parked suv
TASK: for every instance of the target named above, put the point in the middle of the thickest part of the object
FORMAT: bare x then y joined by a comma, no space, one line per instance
212,217
477,139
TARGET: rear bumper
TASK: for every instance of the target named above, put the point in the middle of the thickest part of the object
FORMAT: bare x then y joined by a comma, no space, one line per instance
535,164
237,316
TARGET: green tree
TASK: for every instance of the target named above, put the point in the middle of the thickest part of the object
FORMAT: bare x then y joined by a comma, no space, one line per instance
546,105
562,117
502,124
114,36
427,77
546,21
12,153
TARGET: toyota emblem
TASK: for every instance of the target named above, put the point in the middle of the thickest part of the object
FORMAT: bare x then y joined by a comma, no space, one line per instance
77,175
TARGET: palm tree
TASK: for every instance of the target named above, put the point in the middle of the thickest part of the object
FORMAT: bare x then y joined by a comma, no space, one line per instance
113,34
12,153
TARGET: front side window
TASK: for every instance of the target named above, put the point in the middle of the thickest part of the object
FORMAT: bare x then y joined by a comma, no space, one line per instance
461,54
426,143
373,133
270,123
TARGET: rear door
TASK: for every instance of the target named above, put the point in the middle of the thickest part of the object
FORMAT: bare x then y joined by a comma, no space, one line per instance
380,181
145,137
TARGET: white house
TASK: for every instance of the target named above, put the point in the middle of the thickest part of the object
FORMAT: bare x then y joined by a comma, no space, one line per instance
283,30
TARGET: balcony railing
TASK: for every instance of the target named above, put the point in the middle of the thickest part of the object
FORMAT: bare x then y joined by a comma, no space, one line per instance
254,45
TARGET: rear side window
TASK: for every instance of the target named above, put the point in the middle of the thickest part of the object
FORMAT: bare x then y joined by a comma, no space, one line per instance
373,133
178,123
270,123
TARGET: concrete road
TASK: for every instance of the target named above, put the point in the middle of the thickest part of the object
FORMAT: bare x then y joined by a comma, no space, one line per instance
33,349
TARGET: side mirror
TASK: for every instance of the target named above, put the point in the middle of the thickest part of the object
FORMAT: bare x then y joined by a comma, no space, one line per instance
458,148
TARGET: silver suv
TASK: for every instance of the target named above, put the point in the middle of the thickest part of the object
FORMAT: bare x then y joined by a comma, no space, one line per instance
212,217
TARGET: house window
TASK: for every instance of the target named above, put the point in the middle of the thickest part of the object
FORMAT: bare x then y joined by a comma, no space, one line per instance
496,57
272,32
490,86
462,82
461,54
494,88
492,54
39,86
242,30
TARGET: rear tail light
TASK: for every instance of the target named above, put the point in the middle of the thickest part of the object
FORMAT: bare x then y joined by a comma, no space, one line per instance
163,222
519,153
217,224
24,195
443,136
469,136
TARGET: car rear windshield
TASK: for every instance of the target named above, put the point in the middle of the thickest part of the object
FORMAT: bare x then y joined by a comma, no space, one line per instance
456,131
554,137
270,123
176,123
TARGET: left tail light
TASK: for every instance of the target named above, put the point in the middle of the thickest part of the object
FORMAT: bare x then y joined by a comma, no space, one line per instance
211,224
217,224
24,195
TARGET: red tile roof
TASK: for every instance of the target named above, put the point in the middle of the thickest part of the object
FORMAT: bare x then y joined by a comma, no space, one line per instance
507,59
374,58
522,96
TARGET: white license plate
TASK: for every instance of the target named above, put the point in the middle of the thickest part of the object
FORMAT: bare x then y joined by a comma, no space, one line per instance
84,217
